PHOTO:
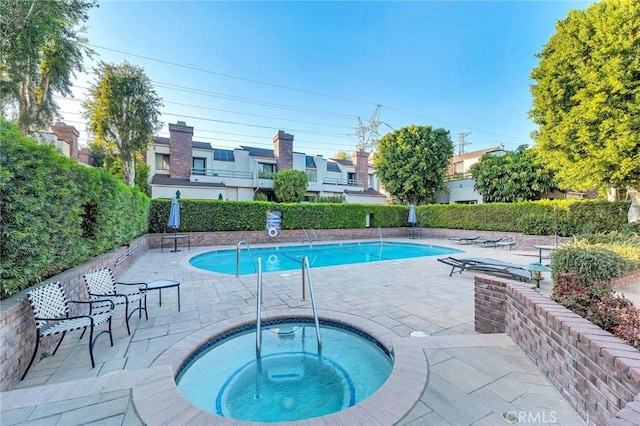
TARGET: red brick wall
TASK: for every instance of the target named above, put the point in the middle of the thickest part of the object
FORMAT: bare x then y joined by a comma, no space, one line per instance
17,327
595,371
70,135
181,149
283,150
362,168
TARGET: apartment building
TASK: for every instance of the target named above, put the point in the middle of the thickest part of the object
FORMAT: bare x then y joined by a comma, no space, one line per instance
200,171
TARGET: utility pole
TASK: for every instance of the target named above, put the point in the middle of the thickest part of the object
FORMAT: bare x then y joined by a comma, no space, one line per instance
367,134
462,142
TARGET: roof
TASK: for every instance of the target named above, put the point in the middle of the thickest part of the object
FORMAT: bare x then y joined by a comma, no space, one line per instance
476,154
343,162
199,145
258,152
173,181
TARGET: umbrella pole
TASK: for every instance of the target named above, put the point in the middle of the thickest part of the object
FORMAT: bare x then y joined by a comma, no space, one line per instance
175,240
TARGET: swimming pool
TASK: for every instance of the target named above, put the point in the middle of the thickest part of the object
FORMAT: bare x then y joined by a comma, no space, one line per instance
291,379
285,258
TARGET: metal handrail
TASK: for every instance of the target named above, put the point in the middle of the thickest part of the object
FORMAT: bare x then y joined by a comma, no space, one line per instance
309,238
305,267
238,246
306,236
380,234
259,308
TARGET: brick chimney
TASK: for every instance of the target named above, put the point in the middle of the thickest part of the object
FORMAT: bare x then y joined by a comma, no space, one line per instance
362,168
181,149
69,134
283,150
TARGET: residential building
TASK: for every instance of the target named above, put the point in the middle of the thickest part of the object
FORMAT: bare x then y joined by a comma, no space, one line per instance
459,181
200,171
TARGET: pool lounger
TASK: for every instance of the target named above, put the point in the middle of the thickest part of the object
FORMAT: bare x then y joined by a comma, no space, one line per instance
487,242
492,266
465,240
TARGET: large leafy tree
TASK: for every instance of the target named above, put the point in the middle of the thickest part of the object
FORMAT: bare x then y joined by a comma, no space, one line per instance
512,177
412,162
586,99
122,109
41,48
289,186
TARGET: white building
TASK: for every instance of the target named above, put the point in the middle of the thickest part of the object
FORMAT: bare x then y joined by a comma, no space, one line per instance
200,171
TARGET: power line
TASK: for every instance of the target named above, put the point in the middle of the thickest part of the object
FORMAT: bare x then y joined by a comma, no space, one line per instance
191,67
303,91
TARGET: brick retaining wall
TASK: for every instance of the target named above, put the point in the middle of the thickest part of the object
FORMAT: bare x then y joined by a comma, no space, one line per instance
595,371
17,327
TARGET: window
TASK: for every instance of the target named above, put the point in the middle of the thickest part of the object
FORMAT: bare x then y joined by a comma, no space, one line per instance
312,170
266,170
162,161
312,175
223,155
199,166
333,167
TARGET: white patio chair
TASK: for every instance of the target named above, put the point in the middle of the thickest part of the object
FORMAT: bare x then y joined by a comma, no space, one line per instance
51,313
101,285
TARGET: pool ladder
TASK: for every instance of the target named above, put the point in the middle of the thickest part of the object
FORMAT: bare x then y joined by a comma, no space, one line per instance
238,248
305,269
311,236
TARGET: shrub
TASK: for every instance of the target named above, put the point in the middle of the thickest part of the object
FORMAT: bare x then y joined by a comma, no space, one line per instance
590,263
600,305
57,213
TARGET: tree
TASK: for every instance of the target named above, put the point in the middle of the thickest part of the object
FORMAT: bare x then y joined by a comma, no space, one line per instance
412,162
122,108
586,100
41,48
289,186
342,155
515,176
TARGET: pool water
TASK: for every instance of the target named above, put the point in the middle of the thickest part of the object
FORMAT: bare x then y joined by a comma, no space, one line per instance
291,379
275,259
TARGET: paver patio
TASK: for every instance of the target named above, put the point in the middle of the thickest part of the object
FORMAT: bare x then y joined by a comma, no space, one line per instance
473,379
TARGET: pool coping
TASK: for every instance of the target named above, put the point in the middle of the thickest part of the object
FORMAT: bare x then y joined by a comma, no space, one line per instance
158,401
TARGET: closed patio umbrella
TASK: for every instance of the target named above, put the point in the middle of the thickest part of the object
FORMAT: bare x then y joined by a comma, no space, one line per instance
174,220
412,215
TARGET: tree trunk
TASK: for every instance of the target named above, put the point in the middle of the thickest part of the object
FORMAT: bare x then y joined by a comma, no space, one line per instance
613,194
634,211
129,172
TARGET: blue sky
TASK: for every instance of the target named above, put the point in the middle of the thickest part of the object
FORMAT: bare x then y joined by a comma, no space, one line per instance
240,71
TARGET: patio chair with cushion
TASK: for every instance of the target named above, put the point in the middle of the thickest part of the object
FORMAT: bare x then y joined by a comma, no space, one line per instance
51,313
101,285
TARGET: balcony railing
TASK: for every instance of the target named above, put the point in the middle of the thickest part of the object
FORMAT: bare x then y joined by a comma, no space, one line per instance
342,182
222,173
458,176
266,175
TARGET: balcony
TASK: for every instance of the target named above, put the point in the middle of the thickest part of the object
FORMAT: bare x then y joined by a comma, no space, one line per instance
222,173
342,182
458,176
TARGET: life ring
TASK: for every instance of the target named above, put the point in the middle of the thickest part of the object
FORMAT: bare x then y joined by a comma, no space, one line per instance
272,232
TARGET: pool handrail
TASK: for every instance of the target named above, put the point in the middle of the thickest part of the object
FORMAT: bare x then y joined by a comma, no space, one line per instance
259,308
238,247
380,234
309,238
307,268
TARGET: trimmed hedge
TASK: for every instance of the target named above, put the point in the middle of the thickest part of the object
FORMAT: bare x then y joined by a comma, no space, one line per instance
57,213
532,218
213,215
596,263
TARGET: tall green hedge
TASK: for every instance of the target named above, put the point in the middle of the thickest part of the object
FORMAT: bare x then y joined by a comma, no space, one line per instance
535,218
57,213
213,215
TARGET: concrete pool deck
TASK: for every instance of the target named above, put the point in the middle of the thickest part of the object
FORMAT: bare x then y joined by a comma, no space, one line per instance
470,378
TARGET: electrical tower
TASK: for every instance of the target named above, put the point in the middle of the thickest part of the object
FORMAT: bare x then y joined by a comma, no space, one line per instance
367,134
462,143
